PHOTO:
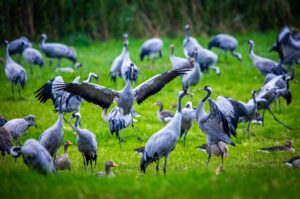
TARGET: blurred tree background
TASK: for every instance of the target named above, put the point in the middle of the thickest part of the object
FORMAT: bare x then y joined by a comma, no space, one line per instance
104,19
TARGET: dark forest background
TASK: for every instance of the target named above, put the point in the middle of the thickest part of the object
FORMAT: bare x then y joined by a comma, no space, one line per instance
104,19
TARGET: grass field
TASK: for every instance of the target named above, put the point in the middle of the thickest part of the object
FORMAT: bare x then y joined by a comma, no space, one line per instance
248,173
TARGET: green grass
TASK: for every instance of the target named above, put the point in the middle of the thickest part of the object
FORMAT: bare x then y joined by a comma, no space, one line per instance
247,174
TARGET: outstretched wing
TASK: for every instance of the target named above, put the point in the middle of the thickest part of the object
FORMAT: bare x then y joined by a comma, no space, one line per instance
230,112
90,92
217,115
156,83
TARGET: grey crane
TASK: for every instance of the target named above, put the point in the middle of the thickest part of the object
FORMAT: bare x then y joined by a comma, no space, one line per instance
2,120
52,137
14,72
163,142
219,124
121,116
269,95
18,45
278,82
127,66
70,102
192,77
86,143
179,62
33,57
19,126
115,69
293,162
35,156
206,58
5,141
188,116
226,43
287,45
190,43
264,66
163,115
63,162
151,47
57,51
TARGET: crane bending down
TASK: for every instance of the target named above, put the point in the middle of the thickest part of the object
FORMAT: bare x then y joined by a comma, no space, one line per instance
121,116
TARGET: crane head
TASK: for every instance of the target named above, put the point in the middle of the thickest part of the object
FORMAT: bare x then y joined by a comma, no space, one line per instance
187,27
5,42
251,42
43,36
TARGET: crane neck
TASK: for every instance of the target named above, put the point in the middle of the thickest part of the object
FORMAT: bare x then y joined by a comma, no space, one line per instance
77,122
8,58
200,110
179,108
188,34
251,50
254,99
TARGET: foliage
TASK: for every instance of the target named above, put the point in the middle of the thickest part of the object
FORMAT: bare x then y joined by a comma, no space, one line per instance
103,19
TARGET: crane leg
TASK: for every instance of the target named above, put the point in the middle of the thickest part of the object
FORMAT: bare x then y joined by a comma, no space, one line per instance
263,118
50,62
69,123
19,90
84,162
277,120
157,167
91,167
136,133
165,165
209,155
58,64
184,139
226,58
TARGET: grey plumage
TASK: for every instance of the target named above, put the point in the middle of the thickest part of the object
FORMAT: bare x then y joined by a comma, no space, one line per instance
192,77
57,50
52,137
164,141
188,116
216,125
265,66
271,91
14,72
33,57
115,69
18,127
18,45
128,68
86,143
206,58
287,45
179,62
226,43
35,156
151,47
2,120
104,96
5,141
